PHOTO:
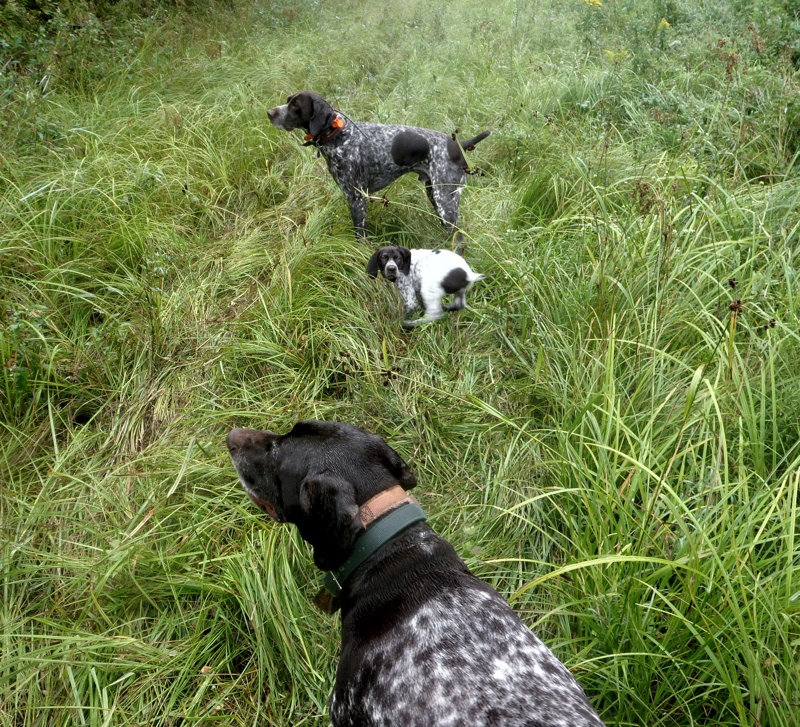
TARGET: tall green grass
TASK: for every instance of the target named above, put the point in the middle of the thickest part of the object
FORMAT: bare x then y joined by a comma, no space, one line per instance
608,434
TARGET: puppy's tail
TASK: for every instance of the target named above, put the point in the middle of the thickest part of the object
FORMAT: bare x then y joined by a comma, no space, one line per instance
469,144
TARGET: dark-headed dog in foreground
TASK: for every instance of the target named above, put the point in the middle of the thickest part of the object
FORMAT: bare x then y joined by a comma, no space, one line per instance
424,642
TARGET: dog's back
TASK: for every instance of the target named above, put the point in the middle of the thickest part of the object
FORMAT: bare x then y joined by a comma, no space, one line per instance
426,644
437,264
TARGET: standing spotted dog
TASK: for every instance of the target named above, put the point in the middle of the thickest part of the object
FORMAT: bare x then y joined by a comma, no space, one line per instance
364,157
424,642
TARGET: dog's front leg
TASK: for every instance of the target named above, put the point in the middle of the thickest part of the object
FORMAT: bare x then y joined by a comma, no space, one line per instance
408,311
445,198
358,211
433,312
412,301
427,318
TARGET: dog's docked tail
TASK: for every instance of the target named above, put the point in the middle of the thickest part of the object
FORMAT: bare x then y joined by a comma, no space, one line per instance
469,144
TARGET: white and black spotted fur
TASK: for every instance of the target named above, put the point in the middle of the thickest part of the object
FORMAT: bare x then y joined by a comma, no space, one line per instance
424,642
423,278
364,157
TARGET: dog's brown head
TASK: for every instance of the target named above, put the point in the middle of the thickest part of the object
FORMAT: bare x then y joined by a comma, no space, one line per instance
316,477
305,110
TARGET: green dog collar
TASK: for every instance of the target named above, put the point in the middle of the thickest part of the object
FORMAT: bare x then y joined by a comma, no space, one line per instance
369,541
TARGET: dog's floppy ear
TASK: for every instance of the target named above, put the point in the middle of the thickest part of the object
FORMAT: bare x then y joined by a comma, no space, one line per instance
407,478
401,471
372,265
405,260
322,115
331,522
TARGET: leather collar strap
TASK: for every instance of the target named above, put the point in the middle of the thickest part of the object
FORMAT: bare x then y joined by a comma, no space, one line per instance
370,540
384,501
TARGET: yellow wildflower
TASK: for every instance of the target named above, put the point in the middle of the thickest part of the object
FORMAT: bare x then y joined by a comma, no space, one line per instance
616,55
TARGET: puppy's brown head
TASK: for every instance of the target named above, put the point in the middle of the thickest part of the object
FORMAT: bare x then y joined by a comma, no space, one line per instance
316,477
391,261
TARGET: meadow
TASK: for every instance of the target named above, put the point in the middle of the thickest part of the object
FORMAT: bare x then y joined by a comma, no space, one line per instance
608,434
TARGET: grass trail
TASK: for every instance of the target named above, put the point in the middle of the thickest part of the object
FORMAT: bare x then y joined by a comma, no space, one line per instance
608,434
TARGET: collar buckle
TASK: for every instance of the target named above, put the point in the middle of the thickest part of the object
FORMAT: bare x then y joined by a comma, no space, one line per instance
331,132
378,534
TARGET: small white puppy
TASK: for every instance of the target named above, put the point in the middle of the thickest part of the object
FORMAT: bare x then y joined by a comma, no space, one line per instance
423,278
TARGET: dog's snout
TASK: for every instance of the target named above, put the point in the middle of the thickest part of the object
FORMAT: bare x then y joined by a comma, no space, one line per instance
235,439
272,113
253,440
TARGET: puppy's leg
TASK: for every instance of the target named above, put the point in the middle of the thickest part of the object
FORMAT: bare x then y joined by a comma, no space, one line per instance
459,302
419,321
433,312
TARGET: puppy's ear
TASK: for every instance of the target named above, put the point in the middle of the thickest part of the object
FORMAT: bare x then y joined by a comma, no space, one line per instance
405,260
322,116
331,522
372,265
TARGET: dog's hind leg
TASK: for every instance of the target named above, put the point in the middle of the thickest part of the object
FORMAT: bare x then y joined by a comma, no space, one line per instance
459,302
445,198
